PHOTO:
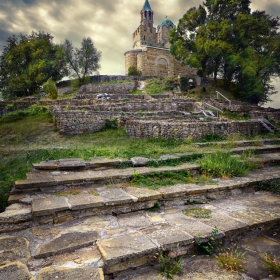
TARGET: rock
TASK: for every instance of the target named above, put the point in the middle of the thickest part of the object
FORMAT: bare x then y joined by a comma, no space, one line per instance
14,248
65,273
67,242
139,161
16,213
15,271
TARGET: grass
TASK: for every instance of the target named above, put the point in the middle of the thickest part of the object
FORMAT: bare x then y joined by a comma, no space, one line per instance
271,264
198,213
71,191
231,259
157,180
223,165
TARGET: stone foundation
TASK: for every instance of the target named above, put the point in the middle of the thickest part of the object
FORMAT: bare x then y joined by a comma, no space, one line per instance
196,130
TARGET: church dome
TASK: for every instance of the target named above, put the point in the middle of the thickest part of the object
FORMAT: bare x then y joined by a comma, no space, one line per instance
167,22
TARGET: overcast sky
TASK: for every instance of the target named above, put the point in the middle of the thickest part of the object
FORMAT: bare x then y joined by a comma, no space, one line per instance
110,23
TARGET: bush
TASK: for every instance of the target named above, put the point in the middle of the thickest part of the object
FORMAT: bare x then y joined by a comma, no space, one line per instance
50,89
133,71
184,81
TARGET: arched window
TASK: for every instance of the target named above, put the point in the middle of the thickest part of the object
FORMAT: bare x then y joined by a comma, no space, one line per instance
145,14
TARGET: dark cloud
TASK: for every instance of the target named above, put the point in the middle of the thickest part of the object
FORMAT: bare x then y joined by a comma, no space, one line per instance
109,23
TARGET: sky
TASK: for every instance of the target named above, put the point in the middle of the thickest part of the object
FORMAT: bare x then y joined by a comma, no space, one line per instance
109,23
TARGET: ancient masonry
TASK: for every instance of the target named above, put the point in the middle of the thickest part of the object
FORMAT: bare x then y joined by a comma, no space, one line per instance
150,52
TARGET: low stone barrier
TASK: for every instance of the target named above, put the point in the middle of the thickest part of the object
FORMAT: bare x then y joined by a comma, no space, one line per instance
124,88
171,129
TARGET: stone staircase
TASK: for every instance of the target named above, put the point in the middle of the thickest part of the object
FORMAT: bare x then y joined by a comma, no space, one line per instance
72,219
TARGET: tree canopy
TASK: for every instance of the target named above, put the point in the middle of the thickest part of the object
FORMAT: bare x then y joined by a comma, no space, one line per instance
225,38
81,62
27,61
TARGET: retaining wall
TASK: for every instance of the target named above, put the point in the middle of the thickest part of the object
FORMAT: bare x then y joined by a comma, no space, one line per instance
124,88
197,129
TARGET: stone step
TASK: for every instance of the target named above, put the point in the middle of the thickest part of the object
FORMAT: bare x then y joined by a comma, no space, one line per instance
44,180
115,243
112,200
50,181
241,143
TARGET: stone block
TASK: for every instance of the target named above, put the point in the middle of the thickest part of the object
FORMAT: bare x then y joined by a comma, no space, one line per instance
14,248
15,271
66,273
49,205
82,201
67,242
16,213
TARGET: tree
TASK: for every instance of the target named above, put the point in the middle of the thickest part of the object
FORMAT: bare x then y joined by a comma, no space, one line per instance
82,62
226,38
50,88
27,61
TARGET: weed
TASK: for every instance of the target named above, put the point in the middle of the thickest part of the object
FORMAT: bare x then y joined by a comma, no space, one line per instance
111,123
198,213
212,137
155,208
271,186
235,116
168,266
210,247
71,191
193,202
93,192
271,263
224,165
124,99
231,259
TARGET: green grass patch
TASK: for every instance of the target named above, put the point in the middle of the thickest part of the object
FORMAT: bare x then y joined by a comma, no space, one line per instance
198,213
157,180
223,165
235,116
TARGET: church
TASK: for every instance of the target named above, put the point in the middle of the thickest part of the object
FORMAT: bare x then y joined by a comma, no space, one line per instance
150,53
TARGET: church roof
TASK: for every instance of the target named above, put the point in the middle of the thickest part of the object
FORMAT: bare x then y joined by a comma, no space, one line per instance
166,22
147,6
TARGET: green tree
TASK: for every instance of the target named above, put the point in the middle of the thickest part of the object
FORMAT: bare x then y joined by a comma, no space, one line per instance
81,62
50,88
27,61
224,37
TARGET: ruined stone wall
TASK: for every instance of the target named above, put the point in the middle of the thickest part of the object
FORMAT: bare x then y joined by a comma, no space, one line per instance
197,129
124,88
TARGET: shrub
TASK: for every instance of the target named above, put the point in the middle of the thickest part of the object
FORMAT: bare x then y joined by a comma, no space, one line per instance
231,259
184,82
50,88
133,71
271,263
271,186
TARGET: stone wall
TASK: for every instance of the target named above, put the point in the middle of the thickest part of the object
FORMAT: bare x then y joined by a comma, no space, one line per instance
197,129
124,88
245,108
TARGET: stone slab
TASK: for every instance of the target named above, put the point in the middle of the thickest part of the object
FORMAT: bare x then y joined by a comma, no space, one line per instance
66,273
115,196
66,164
49,205
83,201
225,223
14,248
131,246
191,226
67,242
14,198
139,161
168,236
16,213
133,220
15,271
46,181
143,194
104,162
46,165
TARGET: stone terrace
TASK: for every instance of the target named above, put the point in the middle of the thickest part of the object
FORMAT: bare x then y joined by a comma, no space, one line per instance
105,229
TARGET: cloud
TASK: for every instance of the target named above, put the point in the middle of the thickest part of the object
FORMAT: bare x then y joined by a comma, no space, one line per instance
109,23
